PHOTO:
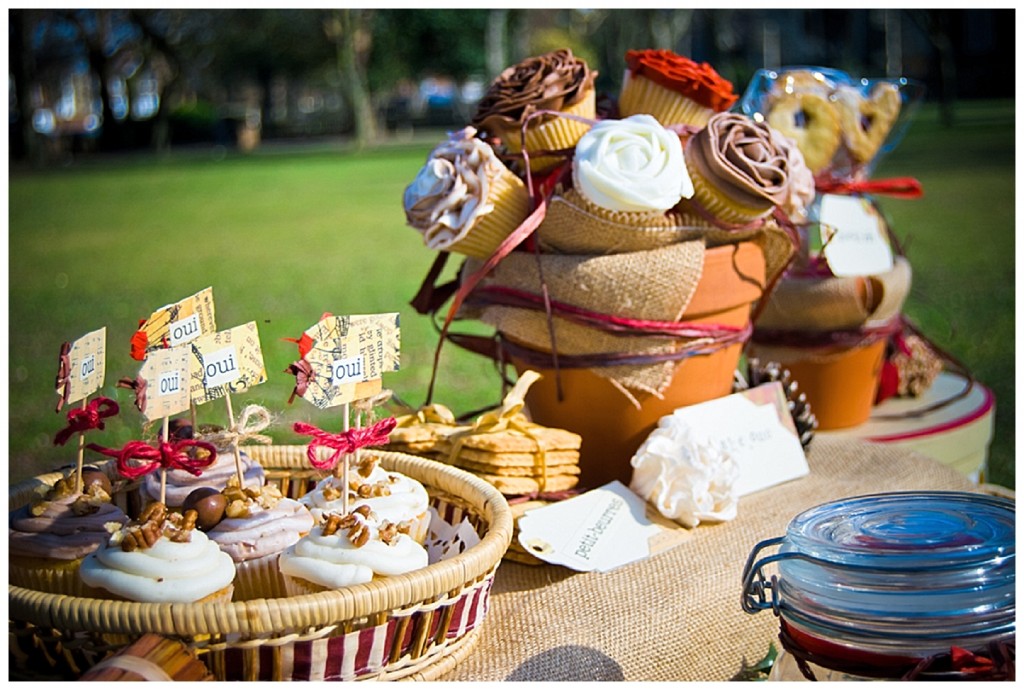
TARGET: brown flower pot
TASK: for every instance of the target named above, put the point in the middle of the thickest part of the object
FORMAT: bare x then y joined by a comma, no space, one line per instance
613,427
840,383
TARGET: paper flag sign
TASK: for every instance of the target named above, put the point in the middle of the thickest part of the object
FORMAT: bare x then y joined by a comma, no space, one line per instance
349,356
181,322
82,372
225,362
165,373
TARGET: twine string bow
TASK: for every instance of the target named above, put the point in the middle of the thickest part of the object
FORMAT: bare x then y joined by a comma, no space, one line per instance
343,443
253,420
508,417
434,413
82,419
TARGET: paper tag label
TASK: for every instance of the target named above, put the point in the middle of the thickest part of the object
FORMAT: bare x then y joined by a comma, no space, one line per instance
166,373
348,370
225,362
756,429
853,235
87,359
600,530
184,331
349,356
181,322
220,367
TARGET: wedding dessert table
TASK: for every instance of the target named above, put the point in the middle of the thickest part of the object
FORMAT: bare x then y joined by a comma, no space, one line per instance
676,616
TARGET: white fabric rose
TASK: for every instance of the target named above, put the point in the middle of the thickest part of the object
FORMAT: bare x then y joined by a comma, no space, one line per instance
631,165
686,480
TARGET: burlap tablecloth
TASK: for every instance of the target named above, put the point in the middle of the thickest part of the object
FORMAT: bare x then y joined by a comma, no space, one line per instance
677,616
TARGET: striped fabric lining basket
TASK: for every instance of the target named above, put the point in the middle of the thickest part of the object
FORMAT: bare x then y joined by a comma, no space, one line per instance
413,626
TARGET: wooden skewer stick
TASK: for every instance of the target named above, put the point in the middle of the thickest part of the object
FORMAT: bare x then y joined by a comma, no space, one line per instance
345,426
163,470
79,483
234,444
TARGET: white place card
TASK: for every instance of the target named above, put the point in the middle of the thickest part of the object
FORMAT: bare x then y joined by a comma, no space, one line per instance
853,235
755,427
600,530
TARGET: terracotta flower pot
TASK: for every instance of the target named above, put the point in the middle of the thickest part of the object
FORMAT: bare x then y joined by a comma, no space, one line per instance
612,427
840,383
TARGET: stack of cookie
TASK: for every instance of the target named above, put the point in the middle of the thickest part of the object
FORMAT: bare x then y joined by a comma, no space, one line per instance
423,432
532,465
523,458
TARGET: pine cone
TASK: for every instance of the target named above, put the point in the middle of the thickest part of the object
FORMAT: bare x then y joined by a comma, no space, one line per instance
799,407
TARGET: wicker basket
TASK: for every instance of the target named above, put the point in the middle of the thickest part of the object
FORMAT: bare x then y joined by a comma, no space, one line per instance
415,626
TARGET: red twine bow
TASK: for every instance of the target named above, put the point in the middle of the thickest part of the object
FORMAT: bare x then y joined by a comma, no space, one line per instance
303,373
139,385
345,442
896,187
171,456
82,419
63,381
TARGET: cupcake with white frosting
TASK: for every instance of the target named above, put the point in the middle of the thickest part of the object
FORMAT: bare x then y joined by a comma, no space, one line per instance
626,176
349,550
464,199
160,558
392,496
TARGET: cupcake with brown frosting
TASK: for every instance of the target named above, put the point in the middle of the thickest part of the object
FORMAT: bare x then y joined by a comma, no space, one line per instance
672,88
738,169
464,199
556,81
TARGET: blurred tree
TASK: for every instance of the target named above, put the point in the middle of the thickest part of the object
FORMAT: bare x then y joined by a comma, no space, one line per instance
349,30
417,43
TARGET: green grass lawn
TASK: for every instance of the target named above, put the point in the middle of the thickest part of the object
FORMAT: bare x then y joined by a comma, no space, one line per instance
283,238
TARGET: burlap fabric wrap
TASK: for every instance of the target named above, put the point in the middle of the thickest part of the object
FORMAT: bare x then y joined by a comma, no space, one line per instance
676,616
573,225
649,284
832,304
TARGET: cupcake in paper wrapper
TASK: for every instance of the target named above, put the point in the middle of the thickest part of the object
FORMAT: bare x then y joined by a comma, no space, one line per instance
160,558
739,172
672,88
348,550
556,81
627,174
464,199
49,538
254,533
